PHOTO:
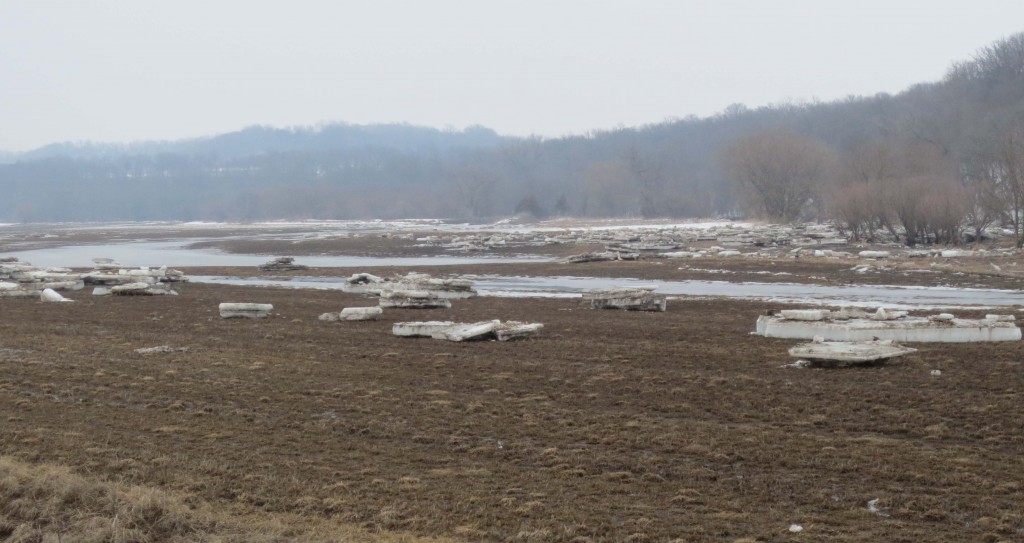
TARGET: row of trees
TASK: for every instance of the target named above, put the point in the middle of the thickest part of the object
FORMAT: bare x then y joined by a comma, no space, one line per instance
929,164
926,179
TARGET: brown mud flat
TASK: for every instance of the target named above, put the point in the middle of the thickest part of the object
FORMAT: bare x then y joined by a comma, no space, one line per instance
374,244
608,426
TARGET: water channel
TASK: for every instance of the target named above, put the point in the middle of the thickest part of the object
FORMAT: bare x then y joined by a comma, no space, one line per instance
891,296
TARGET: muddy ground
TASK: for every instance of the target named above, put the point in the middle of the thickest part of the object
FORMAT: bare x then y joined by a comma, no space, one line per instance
608,426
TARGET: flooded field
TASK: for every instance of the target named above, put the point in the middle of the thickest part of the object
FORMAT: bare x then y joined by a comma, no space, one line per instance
607,426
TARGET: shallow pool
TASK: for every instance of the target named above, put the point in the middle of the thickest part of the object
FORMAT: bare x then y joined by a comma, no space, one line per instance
898,297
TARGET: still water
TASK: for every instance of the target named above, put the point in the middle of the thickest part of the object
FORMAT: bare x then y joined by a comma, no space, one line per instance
897,297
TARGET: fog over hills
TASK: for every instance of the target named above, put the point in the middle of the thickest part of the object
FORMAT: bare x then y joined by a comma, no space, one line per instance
256,140
949,135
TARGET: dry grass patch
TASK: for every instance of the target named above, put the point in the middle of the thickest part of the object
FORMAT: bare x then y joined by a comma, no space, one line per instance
51,503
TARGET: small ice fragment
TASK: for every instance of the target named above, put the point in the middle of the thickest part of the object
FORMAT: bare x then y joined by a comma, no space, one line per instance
873,507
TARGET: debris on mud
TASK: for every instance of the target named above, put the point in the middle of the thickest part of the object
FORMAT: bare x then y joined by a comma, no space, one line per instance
353,314
111,274
140,289
847,353
413,299
360,313
628,298
452,288
604,256
364,283
456,331
161,349
873,507
229,310
23,280
283,263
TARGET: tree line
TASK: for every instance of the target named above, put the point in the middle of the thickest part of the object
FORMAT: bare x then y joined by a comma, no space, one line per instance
947,167
937,163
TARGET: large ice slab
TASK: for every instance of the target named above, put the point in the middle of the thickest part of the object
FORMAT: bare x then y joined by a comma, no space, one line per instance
418,299
849,352
460,331
229,310
632,299
904,329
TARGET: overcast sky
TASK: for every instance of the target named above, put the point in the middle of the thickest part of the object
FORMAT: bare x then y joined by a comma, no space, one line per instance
118,71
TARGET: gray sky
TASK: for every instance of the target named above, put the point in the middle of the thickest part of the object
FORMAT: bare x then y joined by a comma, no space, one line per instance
119,71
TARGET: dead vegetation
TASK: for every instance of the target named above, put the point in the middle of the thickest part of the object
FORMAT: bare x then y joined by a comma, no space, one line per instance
43,502
609,426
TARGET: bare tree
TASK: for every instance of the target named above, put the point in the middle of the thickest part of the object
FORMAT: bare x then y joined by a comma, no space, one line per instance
860,209
474,187
1001,158
930,209
902,187
1001,61
608,190
780,173
649,182
984,188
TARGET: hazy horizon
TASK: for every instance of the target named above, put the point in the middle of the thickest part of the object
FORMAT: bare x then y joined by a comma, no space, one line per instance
114,72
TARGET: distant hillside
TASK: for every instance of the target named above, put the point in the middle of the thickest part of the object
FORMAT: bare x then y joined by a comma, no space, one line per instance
850,160
257,140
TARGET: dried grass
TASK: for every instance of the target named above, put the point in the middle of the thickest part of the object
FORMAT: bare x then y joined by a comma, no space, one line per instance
51,503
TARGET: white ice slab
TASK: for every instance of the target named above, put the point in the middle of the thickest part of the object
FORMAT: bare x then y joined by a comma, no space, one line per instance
50,295
360,313
420,329
908,329
230,310
849,351
805,314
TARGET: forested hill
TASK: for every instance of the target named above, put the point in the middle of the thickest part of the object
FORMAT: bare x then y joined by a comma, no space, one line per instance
845,159
257,140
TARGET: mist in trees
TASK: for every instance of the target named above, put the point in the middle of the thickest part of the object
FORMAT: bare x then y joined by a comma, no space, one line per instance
780,175
937,163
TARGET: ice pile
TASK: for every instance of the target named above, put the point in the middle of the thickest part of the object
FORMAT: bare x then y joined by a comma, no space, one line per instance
110,278
23,280
447,288
283,263
629,298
